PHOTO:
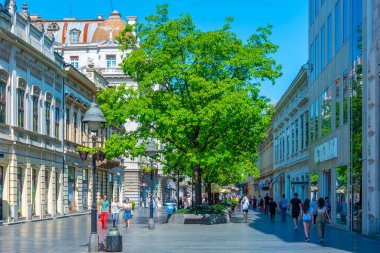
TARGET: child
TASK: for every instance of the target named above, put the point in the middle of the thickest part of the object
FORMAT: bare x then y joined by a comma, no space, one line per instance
272,209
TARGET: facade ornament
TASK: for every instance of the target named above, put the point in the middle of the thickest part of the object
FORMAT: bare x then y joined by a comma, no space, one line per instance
90,62
10,6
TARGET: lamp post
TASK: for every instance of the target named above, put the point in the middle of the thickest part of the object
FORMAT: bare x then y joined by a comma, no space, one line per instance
151,151
94,119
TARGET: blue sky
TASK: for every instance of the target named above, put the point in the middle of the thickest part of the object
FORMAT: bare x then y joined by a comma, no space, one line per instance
289,20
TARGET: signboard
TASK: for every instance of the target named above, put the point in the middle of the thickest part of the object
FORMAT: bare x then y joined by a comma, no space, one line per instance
326,151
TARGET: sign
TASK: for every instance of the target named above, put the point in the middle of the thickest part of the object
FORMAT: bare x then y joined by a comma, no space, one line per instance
326,151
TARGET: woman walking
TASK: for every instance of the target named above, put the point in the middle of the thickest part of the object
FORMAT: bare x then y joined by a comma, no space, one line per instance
321,219
306,218
244,207
115,210
127,212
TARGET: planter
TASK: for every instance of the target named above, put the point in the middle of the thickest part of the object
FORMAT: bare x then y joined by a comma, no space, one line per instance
83,155
205,219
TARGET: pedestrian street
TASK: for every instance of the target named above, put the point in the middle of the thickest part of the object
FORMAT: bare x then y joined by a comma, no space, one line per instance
258,235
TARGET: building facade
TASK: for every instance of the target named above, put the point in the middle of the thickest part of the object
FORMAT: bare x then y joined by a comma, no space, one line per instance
93,41
42,102
291,140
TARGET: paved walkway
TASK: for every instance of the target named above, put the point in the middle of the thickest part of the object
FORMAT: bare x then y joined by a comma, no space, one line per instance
258,235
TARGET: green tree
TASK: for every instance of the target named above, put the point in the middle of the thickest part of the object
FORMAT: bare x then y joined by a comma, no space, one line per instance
197,94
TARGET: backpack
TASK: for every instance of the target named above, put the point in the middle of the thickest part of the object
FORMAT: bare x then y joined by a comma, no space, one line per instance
284,203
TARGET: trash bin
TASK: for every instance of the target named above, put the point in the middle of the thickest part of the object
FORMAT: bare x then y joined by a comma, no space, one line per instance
170,208
114,241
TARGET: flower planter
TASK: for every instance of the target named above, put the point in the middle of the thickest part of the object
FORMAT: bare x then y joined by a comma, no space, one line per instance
83,155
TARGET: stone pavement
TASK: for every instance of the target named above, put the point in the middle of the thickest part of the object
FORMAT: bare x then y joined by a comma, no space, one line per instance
258,235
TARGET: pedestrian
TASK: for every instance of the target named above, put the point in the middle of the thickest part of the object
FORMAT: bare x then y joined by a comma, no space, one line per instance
180,203
272,209
244,207
306,218
261,204
321,219
266,204
313,207
328,205
250,201
254,203
104,209
115,210
343,213
283,206
295,205
128,213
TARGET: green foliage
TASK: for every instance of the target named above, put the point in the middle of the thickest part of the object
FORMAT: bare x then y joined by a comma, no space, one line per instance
133,204
207,111
88,150
214,209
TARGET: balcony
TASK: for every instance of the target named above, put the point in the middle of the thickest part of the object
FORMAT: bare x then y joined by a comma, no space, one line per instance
111,71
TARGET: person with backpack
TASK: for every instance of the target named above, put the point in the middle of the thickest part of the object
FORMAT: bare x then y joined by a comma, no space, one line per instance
295,205
272,209
283,206
306,215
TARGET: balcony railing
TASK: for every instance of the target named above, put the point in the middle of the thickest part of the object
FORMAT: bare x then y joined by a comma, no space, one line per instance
111,71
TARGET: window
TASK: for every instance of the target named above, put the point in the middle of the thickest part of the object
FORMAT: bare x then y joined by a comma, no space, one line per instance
74,61
345,20
316,56
316,133
75,121
311,57
74,36
329,38
47,117
326,111
293,140
287,141
56,122
312,6
67,124
345,97
306,129
316,7
337,27
337,102
296,136
111,61
302,132
3,100
311,112
35,108
20,107
323,47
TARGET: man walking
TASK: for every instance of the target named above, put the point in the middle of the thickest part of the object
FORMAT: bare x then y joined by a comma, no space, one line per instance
266,204
283,206
295,205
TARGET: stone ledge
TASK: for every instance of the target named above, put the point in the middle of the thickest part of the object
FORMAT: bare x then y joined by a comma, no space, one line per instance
205,219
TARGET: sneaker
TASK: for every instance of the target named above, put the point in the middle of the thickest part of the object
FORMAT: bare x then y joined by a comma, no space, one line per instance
295,228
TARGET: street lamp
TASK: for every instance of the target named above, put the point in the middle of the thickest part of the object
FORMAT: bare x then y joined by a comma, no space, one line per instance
94,119
151,151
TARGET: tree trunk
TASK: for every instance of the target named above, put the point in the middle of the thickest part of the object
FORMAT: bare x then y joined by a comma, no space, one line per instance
198,186
209,194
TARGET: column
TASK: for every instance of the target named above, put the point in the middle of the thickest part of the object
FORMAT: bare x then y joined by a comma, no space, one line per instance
28,175
52,191
13,187
64,188
79,189
42,194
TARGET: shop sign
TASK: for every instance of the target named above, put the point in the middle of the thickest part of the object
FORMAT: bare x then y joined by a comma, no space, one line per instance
326,151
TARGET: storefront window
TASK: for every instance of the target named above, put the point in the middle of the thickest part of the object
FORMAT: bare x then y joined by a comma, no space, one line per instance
326,110
20,187
341,195
2,97
314,185
337,102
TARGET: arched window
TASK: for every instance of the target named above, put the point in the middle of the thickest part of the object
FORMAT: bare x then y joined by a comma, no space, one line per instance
56,118
36,91
21,102
48,112
3,97
74,36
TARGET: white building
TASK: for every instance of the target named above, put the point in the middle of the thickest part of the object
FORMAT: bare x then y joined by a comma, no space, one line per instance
42,100
290,135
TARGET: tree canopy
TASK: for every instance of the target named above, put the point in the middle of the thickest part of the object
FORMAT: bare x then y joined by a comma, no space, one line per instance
197,95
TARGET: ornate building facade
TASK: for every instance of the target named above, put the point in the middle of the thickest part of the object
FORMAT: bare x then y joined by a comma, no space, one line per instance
42,102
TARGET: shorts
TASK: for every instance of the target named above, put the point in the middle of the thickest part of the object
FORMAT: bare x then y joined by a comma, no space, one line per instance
306,220
295,214
245,211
